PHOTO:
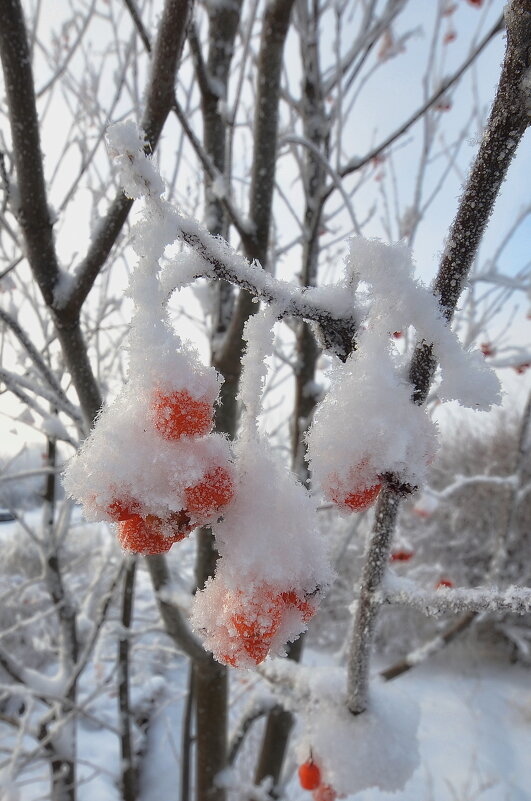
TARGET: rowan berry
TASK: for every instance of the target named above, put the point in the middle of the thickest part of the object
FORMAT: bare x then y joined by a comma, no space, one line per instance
147,535
215,490
309,775
177,414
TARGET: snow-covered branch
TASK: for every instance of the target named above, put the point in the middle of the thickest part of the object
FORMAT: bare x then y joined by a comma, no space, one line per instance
455,599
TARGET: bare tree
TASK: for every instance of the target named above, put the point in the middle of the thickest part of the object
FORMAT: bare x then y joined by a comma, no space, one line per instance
247,136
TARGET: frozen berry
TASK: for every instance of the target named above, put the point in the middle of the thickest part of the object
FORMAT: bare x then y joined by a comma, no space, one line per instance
325,792
123,509
256,621
214,491
359,499
177,414
309,775
291,599
147,535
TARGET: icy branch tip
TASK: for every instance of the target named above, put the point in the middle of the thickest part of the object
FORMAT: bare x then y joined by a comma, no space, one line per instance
137,174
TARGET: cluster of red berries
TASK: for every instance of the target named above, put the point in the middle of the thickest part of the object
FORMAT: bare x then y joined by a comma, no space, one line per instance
248,624
175,414
310,779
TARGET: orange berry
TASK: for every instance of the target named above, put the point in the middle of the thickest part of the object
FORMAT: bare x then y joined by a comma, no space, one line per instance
214,491
290,598
357,500
123,509
309,775
145,535
256,621
177,414
401,556
444,582
325,792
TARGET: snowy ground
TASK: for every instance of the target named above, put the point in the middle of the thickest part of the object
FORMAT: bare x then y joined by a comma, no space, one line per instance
474,733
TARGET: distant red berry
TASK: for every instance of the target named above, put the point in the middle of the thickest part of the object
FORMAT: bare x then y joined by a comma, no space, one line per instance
477,3
449,36
521,368
444,582
421,512
177,414
309,775
487,349
211,494
443,105
325,792
449,9
147,535
401,556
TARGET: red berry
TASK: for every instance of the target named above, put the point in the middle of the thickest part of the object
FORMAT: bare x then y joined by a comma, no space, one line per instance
256,622
309,775
477,3
358,500
177,414
401,556
448,9
449,36
443,105
290,598
521,368
148,535
325,792
214,491
487,349
397,334
444,582
123,509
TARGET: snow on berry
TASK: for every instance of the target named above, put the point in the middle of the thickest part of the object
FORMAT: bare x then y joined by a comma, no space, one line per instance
367,425
152,535
324,792
242,623
273,566
211,494
355,752
356,492
178,414
124,468
150,453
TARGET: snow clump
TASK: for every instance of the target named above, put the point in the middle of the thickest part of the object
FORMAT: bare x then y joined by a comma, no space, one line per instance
273,566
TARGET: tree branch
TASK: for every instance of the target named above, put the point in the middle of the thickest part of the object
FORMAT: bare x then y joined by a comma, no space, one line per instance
507,123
